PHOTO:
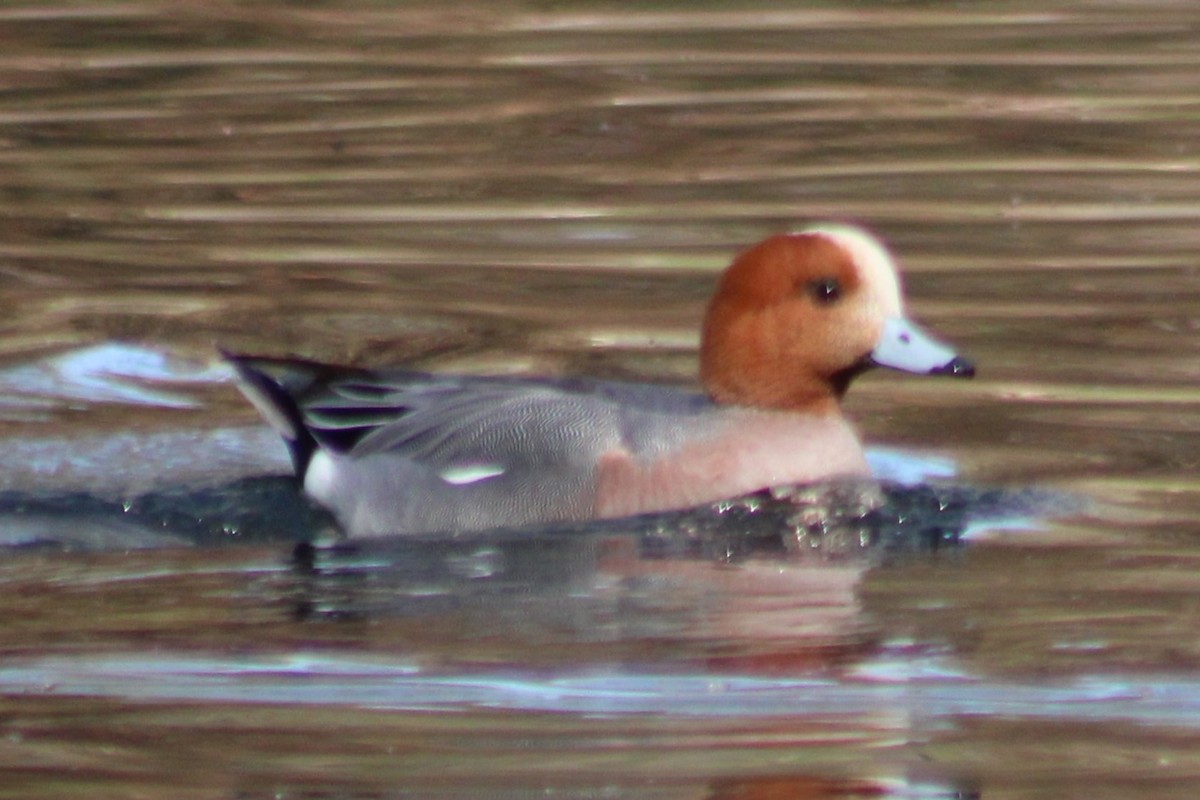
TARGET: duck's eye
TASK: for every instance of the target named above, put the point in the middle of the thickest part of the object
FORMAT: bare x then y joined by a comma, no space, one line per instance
824,290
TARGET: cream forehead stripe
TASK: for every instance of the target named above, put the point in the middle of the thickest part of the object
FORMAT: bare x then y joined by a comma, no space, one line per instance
874,262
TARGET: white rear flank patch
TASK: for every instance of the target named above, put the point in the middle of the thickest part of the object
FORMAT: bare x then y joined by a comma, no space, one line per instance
320,475
463,474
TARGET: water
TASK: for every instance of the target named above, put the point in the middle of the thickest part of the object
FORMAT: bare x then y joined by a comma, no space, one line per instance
552,188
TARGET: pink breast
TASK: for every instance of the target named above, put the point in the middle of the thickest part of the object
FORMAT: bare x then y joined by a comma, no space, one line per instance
751,451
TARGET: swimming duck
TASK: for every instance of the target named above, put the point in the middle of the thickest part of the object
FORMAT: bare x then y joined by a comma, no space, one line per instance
792,321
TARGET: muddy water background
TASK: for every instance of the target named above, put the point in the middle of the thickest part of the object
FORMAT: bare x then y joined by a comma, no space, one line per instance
552,187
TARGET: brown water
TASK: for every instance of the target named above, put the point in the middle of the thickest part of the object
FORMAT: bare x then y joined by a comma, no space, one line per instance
551,188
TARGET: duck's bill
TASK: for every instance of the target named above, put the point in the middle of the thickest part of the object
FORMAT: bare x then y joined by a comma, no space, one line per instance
906,347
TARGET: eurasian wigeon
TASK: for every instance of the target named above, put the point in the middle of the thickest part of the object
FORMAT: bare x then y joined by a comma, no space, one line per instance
793,320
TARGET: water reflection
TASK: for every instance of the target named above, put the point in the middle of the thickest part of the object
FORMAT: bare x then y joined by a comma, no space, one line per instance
762,584
923,695
112,372
550,189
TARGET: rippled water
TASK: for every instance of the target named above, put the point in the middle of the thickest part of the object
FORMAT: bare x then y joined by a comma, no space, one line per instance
552,188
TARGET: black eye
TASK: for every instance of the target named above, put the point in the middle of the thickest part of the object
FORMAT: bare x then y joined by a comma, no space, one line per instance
824,290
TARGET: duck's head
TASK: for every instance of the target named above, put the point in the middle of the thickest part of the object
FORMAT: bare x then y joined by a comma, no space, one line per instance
797,316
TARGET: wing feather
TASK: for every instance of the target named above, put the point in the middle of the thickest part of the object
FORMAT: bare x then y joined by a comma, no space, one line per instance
447,421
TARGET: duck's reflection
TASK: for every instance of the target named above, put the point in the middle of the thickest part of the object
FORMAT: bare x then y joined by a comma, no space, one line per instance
763,583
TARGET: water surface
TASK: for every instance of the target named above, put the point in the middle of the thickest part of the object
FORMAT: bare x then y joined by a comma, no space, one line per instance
551,188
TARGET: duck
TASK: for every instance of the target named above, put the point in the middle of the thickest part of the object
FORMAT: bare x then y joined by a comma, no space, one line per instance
793,320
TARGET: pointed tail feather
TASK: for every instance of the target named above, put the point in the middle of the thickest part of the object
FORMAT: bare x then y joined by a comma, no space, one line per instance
274,398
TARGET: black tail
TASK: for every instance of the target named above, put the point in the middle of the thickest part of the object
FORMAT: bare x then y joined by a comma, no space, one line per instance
272,385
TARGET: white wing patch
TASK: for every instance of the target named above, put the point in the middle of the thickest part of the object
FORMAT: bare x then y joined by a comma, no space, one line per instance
463,474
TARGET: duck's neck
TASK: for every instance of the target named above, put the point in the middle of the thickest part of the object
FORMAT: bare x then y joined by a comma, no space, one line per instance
841,380
816,397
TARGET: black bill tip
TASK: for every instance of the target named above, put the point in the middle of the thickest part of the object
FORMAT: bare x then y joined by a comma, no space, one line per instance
957,367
